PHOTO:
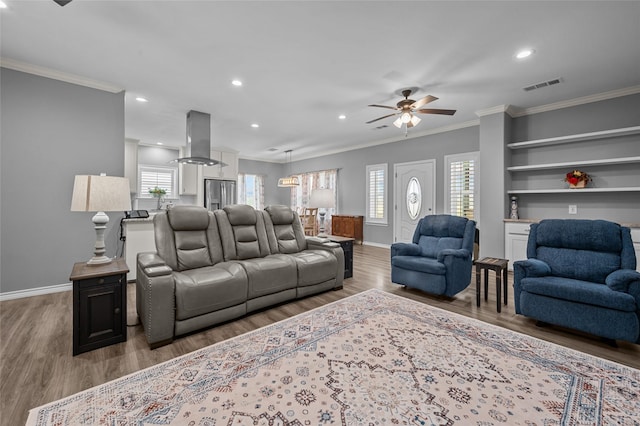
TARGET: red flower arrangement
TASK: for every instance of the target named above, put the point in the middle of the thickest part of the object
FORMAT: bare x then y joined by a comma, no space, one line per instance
576,177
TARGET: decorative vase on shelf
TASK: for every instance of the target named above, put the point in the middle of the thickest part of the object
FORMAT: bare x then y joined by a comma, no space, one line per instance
580,184
577,179
514,208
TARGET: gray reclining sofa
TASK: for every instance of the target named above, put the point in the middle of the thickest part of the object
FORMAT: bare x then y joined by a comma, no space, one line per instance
212,267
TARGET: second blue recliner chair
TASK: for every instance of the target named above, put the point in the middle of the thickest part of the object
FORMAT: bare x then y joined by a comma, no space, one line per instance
439,259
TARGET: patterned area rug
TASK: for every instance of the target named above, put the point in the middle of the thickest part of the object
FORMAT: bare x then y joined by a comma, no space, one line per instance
371,359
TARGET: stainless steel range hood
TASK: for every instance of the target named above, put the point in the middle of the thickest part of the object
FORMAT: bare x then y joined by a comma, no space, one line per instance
198,149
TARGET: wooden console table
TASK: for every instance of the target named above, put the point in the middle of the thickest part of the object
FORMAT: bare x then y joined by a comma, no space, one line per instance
347,226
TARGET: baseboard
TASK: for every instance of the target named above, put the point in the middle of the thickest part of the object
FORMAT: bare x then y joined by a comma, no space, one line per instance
371,243
19,294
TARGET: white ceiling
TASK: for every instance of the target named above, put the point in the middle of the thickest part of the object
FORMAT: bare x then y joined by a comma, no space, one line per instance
303,63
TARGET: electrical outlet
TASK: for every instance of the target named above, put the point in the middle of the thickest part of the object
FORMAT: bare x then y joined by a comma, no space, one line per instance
573,209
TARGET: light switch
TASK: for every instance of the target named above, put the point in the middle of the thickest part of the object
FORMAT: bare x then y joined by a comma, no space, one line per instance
573,209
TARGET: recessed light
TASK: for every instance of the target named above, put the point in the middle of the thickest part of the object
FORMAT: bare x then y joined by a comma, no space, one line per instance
159,143
141,99
524,53
236,83
342,117
3,5
255,125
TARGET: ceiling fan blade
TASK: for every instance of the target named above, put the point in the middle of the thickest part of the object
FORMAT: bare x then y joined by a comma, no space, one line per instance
380,118
436,111
384,106
421,102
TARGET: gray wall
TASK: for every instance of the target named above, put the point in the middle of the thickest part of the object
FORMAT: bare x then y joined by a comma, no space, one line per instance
52,131
271,172
352,166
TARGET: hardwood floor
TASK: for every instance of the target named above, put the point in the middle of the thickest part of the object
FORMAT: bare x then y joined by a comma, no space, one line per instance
37,366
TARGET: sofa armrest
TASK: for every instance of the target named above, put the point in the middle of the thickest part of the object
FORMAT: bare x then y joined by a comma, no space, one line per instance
532,268
524,269
459,253
337,251
405,249
621,279
155,298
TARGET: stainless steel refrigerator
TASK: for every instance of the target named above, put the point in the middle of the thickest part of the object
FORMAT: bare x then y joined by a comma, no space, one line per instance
219,193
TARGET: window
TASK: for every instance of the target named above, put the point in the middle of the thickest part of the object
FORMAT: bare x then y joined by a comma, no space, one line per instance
309,181
162,177
251,190
461,185
376,191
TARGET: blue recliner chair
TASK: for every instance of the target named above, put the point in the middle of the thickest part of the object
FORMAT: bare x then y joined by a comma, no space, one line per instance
580,274
439,259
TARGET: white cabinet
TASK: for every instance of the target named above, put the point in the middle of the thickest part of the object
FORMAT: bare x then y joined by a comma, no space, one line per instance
139,239
635,236
230,171
131,163
516,236
188,179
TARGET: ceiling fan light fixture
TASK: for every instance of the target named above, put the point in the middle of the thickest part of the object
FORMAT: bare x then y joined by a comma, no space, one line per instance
415,120
406,117
398,123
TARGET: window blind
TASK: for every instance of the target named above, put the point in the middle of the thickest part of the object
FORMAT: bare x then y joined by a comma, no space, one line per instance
462,188
163,178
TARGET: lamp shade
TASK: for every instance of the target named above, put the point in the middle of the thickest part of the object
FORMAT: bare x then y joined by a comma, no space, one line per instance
322,198
100,194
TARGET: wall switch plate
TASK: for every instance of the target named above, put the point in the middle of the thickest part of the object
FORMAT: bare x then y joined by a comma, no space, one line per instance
573,209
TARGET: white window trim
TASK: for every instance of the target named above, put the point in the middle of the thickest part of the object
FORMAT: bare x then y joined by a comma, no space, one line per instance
150,167
368,219
448,159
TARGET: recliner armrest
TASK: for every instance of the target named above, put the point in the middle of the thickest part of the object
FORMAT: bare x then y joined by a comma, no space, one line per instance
621,279
531,268
150,259
405,249
458,253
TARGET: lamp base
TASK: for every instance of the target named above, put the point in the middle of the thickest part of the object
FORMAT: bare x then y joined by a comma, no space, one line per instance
100,221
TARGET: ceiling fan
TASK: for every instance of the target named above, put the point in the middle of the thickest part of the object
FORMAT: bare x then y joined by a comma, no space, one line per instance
407,108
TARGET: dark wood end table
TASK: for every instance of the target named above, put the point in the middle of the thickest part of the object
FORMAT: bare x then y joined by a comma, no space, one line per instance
99,305
347,247
499,266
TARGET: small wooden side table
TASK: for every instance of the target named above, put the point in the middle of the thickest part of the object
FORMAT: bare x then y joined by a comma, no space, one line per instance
499,266
99,305
347,247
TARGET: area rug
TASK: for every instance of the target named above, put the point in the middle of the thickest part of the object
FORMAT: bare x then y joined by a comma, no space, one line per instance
370,359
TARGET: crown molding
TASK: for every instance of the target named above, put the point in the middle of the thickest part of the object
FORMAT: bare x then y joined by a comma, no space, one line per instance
58,75
579,101
509,109
400,138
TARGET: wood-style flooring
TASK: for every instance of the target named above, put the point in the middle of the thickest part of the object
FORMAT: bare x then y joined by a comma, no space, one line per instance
37,366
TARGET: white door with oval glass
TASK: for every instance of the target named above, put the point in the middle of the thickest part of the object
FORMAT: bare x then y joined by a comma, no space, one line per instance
414,196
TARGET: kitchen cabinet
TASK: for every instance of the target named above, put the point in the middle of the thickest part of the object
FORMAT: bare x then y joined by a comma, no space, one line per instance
230,171
131,163
516,236
99,305
188,178
347,226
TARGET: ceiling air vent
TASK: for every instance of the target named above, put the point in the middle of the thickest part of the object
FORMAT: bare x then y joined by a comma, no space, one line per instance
542,84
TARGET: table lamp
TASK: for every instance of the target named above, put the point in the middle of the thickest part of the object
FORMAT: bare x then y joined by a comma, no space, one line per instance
323,199
100,194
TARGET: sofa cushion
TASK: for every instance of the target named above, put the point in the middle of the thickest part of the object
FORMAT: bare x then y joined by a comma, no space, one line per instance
188,218
270,274
431,246
579,291
240,214
315,266
280,215
594,235
203,290
583,265
419,263
442,225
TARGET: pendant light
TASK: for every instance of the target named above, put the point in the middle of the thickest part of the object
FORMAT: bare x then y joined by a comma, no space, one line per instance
288,181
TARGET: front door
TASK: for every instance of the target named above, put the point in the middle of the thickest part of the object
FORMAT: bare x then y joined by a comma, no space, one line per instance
414,196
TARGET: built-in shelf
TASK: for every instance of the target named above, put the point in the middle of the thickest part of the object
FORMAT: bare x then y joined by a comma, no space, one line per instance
574,191
599,162
576,138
